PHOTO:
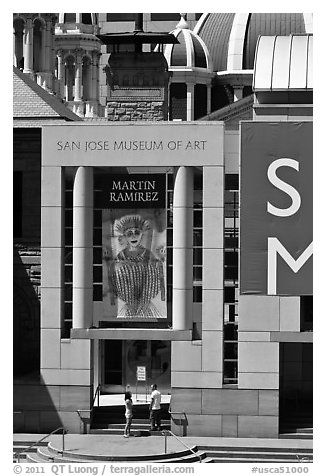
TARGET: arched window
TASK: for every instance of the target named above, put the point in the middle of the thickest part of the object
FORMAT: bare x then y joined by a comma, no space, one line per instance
18,43
86,78
200,101
86,18
69,78
70,18
37,46
178,101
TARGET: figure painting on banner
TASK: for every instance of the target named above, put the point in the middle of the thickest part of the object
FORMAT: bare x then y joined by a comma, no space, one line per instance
134,244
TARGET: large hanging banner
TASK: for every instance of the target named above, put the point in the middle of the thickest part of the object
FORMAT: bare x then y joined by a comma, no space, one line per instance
134,247
276,211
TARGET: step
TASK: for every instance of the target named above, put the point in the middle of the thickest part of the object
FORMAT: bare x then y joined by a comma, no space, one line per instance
296,436
35,458
121,408
27,443
254,460
120,417
23,449
134,433
253,454
258,449
191,458
297,424
120,428
49,457
228,455
76,457
135,421
296,430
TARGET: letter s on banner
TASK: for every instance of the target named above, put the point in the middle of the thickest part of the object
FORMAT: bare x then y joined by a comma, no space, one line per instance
285,187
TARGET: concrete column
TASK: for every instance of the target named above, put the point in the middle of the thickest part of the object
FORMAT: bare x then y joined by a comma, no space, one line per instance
47,46
78,76
52,53
61,73
82,293
28,46
94,66
97,74
14,49
43,51
182,249
190,101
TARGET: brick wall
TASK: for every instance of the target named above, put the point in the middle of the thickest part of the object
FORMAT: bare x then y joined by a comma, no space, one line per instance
136,111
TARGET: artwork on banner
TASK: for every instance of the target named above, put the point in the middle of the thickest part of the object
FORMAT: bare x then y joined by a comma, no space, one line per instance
134,247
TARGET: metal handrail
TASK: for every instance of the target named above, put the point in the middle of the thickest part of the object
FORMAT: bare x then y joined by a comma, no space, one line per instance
97,393
176,413
165,433
64,431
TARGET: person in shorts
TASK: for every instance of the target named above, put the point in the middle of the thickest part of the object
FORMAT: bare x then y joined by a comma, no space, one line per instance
128,414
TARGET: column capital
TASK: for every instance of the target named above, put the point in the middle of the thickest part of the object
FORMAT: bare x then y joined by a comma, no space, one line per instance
28,22
78,53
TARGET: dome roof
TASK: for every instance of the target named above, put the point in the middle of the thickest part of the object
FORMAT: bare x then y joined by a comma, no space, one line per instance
191,51
231,38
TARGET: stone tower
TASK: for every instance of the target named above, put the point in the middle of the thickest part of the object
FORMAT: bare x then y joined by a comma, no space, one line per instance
33,46
137,80
78,51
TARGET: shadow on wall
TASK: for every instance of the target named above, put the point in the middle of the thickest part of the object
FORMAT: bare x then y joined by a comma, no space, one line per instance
26,316
34,407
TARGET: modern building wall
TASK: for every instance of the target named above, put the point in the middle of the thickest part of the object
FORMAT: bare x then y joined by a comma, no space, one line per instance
274,355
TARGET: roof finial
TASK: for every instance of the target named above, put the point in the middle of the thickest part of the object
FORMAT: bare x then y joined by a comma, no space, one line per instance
183,23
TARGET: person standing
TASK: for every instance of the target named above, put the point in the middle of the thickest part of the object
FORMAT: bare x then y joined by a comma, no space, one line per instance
155,408
128,414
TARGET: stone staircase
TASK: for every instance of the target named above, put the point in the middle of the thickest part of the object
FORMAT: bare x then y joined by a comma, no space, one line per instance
110,420
22,448
46,453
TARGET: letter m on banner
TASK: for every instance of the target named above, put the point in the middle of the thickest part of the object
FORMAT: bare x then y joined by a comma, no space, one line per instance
276,208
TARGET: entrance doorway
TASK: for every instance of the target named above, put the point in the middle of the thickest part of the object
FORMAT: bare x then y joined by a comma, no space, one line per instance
296,385
120,359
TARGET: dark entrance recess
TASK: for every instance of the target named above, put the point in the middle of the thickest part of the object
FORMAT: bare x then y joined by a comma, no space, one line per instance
121,358
113,362
296,387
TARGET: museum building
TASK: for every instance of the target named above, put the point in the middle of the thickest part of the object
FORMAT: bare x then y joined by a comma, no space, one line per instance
158,182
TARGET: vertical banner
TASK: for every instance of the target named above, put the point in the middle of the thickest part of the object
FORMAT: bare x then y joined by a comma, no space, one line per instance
134,247
276,213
